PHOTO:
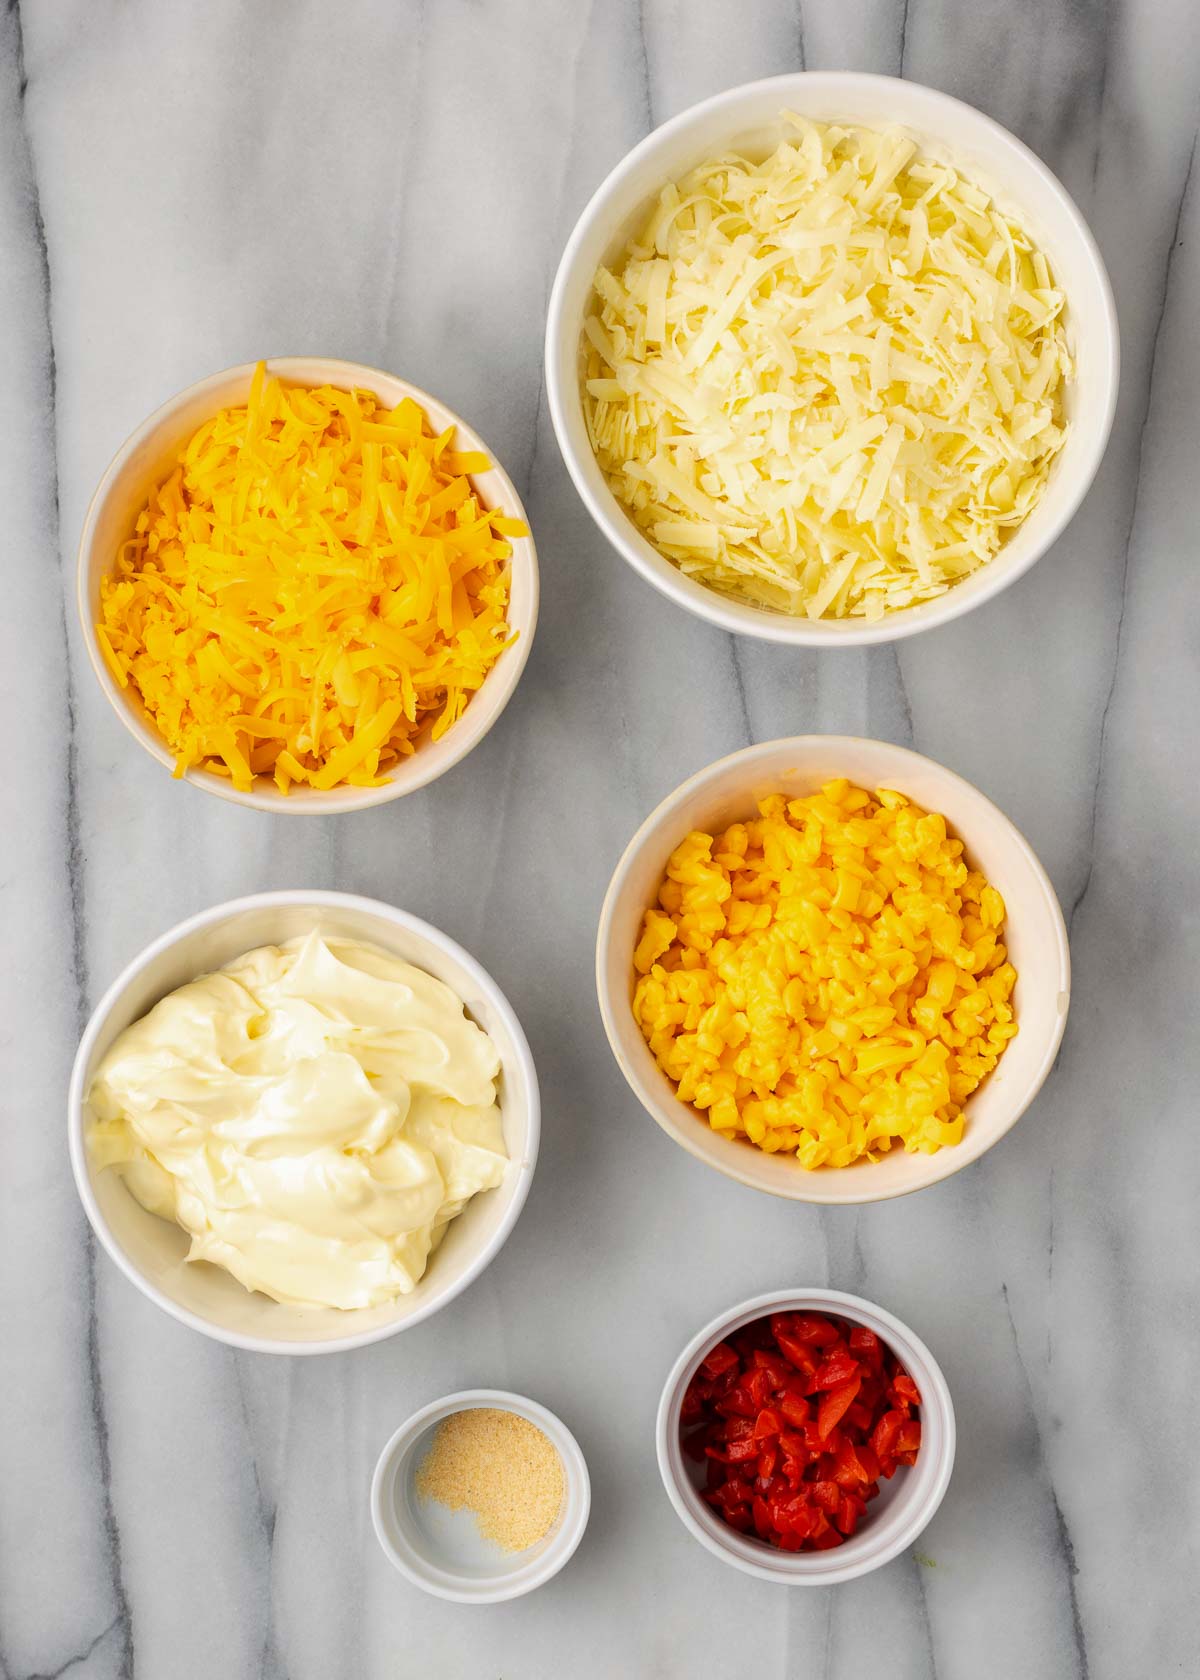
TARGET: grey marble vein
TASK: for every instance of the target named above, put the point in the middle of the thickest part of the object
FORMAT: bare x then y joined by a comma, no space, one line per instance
42,336
1066,1546
1172,246
185,187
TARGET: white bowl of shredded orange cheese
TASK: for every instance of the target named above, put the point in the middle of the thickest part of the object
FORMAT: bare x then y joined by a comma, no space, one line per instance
307,586
832,969
831,358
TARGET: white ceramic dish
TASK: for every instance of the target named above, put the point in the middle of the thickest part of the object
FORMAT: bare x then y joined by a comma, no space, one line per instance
147,456
442,1551
905,1504
749,117
150,1251
1034,932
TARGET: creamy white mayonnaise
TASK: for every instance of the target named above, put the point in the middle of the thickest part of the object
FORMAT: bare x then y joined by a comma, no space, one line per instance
313,1115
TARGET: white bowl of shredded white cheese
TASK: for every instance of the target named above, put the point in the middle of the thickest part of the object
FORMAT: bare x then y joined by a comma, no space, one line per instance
300,1122
831,358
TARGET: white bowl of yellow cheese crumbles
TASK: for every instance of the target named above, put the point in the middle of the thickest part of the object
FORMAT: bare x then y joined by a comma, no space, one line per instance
832,969
302,1121
831,358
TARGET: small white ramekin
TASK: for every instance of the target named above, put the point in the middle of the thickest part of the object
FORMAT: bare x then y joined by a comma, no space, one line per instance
151,1251
905,1504
149,454
749,118
1035,934
449,1559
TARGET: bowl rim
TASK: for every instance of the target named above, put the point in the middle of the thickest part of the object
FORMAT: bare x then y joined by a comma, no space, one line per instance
867,1551
280,899
522,1578
741,618
344,375
678,1120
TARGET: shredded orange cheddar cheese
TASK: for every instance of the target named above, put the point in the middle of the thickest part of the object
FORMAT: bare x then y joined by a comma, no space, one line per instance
828,978
312,587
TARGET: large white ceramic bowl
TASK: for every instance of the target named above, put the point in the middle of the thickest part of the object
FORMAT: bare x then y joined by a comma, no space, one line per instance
151,1251
749,118
905,1504
1034,933
146,458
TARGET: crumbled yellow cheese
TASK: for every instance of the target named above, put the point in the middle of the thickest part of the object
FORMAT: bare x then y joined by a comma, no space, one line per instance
827,978
499,1466
312,587
829,382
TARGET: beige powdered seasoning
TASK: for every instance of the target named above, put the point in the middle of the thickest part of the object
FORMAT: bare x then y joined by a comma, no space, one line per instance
500,1467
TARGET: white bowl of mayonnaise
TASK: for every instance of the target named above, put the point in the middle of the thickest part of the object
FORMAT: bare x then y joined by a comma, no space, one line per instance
303,1121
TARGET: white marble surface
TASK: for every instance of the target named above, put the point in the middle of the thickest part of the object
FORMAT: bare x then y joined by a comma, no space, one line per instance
187,186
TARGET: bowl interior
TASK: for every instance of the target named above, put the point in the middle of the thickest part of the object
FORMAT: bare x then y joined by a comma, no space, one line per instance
451,1540
155,1249
748,120
896,1492
1035,936
446,1547
905,1503
149,456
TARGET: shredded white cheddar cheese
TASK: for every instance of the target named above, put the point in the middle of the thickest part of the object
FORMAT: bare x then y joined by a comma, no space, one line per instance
830,382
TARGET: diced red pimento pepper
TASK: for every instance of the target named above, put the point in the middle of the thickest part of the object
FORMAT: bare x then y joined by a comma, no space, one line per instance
836,1404
718,1360
808,1327
837,1369
797,1417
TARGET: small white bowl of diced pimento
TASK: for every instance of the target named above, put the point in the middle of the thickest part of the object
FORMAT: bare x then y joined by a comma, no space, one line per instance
806,1437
